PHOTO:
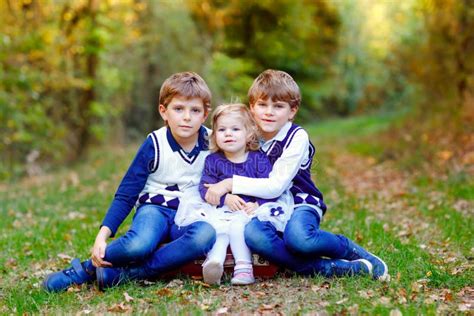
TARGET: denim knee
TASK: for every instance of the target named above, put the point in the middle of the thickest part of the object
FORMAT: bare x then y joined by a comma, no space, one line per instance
302,231
203,236
137,246
256,237
297,241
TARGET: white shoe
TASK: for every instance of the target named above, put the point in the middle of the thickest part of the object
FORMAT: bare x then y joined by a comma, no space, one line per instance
243,277
212,272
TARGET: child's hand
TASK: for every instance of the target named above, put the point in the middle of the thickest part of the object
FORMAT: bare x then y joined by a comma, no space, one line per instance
250,207
98,250
234,202
217,190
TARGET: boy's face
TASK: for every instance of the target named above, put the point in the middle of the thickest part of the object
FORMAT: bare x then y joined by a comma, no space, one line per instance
184,117
271,116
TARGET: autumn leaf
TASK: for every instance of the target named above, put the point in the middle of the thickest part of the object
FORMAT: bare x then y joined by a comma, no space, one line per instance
64,257
128,298
119,308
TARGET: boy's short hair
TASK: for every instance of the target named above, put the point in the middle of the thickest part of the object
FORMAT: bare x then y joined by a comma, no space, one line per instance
277,85
246,118
185,84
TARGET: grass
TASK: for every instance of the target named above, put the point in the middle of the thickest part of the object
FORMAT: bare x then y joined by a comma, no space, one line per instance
420,224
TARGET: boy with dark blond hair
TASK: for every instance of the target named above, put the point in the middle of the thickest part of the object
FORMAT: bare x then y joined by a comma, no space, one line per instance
169,161
274,99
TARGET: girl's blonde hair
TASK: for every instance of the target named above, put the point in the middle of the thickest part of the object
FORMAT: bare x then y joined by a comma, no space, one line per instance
247,120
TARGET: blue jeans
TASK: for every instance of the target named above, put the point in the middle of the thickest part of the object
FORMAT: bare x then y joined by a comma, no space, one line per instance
151,226
187,243
263,238
302,235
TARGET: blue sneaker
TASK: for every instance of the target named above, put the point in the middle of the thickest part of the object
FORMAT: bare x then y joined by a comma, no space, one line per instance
60,281
110,277
341,267
379,268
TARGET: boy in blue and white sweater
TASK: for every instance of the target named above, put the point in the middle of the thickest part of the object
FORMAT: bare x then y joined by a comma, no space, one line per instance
169,161
274,99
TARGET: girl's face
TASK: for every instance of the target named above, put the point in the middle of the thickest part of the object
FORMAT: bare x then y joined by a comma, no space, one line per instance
231,134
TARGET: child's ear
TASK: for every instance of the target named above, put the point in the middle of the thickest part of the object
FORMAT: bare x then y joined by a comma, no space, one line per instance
206,114
293,112
251,107
162,110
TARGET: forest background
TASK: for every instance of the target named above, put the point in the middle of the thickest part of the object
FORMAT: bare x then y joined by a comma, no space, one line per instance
77,74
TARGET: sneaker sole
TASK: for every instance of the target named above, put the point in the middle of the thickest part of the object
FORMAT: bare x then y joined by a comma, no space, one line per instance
241,282
385,276
212,272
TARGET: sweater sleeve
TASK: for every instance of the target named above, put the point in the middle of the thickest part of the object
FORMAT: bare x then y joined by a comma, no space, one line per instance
209,175
284,170
263,169
132,184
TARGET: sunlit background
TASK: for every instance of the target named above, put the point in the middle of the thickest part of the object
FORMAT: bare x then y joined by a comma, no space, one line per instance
75,74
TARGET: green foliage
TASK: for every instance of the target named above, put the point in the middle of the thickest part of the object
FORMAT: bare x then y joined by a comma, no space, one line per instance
229,79
75,73
167,42
251,36
366,73
53,103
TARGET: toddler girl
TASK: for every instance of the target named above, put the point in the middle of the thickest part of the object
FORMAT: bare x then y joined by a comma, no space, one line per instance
234,146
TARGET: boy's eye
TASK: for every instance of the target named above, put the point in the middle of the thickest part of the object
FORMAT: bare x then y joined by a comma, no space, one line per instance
236,129
178,108
221,129
196,110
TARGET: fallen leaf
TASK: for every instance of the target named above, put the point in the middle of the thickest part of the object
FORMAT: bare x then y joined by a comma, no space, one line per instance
164,292
175,283
64,257
395,312
384,300
119,308
74,288
353,310
260,294
366,294
128,298
445,155
465,307
266,307
222,311
197,282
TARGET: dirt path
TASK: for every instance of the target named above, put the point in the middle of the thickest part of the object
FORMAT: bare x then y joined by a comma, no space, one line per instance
388,195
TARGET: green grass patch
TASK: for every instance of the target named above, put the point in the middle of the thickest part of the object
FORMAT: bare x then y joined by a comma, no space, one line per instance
49,217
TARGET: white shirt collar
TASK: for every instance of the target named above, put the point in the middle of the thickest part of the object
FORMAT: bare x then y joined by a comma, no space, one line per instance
265,145
281,133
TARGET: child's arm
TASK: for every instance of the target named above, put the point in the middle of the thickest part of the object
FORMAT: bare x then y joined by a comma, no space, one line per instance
279,179
210,176
250,207
132,184
125,198
98,250
234,202
283,171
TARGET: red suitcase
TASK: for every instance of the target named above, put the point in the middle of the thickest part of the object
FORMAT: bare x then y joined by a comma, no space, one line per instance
261,267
